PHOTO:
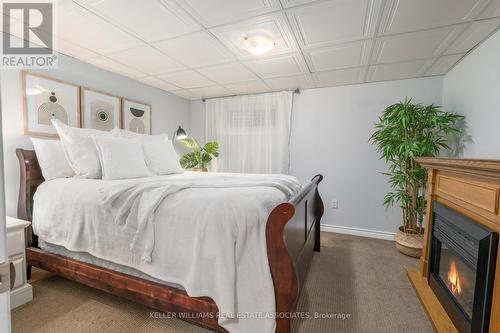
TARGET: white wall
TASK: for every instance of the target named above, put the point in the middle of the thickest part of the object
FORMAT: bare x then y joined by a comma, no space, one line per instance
472,88
168,111
330,132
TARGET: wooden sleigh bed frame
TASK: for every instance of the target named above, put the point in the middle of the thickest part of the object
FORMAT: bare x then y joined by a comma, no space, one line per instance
292,234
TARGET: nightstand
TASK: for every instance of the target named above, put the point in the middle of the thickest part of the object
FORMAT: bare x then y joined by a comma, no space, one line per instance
21,292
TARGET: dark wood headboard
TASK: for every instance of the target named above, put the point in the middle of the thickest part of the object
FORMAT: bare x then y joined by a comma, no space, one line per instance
30,177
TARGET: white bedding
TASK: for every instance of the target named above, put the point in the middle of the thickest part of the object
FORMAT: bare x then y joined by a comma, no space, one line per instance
203,231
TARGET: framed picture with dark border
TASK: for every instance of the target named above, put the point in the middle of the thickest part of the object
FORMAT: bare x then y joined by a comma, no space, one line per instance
100,110
136,116
44,98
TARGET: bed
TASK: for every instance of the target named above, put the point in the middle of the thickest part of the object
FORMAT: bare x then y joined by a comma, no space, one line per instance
292,234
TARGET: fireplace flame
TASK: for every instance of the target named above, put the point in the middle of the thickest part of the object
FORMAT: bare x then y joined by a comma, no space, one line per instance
454,279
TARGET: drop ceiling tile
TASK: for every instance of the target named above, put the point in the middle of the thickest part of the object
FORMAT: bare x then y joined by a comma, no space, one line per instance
293,3
227,10
339,77
113,66
287,65
414,45
158,83
147,59
493,10
186,79
404,16
402,70
208,92
339,56
228,73
73,50
290,82
249,87
274,26
186,94
473,35
195,50
443,64
336,21
82,28
151,20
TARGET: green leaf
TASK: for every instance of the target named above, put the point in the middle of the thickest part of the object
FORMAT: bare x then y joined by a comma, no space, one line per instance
189,161
191,143
212,147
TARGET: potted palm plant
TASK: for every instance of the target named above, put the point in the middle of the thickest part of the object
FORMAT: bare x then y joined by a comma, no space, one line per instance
404,131
200,157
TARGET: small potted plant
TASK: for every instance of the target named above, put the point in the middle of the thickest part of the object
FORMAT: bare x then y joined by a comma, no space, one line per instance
404,131
199,158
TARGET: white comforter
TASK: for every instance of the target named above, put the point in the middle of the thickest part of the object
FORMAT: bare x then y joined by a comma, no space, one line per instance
203,231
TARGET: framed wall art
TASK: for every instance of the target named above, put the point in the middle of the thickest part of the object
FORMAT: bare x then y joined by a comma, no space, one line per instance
100,110
44,98
136,116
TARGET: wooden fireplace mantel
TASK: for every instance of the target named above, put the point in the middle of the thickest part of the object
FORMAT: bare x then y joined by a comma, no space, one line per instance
471,187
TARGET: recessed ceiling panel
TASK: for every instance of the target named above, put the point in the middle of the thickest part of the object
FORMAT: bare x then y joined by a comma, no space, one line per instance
493,10
279,66
207,92
473,35
151,20
113,66
339,56
335,21
187,79
82,28
274,27
402,70
415,45
73,50
195,50
147,59
158,83
293,3
224,11
339,77
186,94
411,15
290,82
443,65
227,73
249,87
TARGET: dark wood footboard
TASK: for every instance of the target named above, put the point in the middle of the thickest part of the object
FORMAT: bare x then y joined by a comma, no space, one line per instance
292,234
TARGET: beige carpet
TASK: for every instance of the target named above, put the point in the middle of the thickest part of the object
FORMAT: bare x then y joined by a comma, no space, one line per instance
361,279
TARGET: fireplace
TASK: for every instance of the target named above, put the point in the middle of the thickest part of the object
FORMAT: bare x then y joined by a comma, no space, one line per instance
462,268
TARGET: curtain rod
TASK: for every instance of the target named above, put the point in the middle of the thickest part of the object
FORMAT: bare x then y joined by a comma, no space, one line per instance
296,91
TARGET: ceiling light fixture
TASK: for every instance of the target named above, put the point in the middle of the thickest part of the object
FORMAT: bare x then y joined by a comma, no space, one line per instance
257,44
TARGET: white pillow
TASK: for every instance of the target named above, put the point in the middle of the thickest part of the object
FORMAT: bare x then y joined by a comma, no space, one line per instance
51,158
80,149
121,158
161,157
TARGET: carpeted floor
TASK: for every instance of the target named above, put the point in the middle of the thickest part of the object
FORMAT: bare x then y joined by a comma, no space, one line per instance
358,279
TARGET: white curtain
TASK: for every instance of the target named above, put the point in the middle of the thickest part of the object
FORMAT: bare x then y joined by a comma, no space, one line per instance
253,132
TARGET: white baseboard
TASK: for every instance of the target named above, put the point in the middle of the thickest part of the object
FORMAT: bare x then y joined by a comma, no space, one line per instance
358,231
21,296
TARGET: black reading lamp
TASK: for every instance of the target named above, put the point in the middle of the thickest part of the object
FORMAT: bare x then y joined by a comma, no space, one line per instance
180,133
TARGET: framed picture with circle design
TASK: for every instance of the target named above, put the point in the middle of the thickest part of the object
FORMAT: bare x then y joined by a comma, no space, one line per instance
100,110
44,98
136,116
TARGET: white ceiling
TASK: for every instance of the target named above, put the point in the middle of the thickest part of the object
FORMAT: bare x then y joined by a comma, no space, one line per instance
191,47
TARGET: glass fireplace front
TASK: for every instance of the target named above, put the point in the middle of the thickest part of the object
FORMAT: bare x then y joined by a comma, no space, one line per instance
459,278
462,268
